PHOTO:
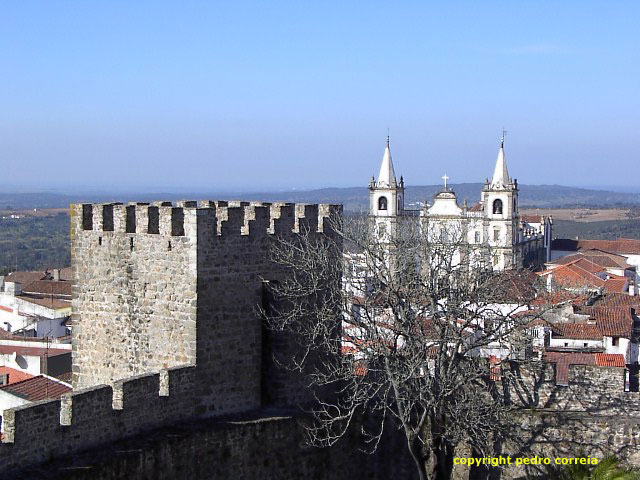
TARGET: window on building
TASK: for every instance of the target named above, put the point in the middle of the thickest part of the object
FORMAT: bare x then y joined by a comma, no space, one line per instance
4,379
382,203
585,344
497,207
614,341
566,344
478,237
496,234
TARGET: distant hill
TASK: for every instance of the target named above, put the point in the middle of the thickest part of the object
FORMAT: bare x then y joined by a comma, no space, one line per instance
353,198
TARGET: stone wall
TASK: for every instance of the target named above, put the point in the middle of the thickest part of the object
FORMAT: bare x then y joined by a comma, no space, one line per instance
95,416
243,448
593,389
134,293
567,434
158,287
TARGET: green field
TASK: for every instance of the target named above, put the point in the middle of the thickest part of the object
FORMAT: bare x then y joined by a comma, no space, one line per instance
602,230
34,243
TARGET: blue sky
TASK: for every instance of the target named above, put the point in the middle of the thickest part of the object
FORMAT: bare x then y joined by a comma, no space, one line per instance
271,95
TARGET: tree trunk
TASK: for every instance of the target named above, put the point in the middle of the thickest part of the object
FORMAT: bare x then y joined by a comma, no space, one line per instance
415,448
443,454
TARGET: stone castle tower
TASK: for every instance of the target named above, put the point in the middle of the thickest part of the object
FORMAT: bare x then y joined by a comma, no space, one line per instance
159,286
166,324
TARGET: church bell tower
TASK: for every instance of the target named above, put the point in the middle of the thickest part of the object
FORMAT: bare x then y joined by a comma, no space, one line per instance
500,199
386,195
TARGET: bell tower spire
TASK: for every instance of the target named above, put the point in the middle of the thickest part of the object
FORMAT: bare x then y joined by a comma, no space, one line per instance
501,177
500,199
386,193
387,175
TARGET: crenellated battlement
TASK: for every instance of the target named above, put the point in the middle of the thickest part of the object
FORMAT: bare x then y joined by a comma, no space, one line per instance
185,217
174,282
96,415
165,321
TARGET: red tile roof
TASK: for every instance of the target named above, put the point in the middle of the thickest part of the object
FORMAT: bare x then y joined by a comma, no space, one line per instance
532,218
620,285
48,287
579,273
560,296
31,351
53,303
37,388
24,277
617,299
14,375
578,331
4,335
604,259
612,321
626,246
564,360
516,286
588,265
478,207
610,360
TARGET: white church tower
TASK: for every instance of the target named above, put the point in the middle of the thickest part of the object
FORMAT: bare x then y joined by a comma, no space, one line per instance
386,195
500,204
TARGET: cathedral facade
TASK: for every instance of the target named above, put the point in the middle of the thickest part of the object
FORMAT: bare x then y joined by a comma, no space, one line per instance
493,226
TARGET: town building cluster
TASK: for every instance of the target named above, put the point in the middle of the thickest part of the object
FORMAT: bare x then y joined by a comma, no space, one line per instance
586,311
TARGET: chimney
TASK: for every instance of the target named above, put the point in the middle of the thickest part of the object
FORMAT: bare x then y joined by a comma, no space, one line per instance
13,288
56,274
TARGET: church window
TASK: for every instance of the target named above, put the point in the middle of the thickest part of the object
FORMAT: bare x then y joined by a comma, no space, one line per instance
497,207
496,234
382,203
478,239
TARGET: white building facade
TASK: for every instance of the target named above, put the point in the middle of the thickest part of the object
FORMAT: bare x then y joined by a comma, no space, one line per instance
494,224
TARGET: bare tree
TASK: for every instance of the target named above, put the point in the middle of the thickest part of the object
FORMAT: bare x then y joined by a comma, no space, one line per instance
413,333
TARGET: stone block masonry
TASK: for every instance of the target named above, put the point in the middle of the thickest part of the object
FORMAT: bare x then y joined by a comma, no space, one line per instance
158,285
94,416
165,322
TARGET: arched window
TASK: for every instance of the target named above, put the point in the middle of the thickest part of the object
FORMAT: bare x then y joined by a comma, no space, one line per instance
382,203
497,207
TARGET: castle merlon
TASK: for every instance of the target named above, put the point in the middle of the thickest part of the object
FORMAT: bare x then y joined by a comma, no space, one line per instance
185,218
91,416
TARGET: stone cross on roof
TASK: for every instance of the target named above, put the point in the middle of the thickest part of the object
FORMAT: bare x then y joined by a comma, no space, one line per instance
445,178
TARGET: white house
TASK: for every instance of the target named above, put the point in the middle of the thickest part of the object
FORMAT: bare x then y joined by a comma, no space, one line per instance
40,308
